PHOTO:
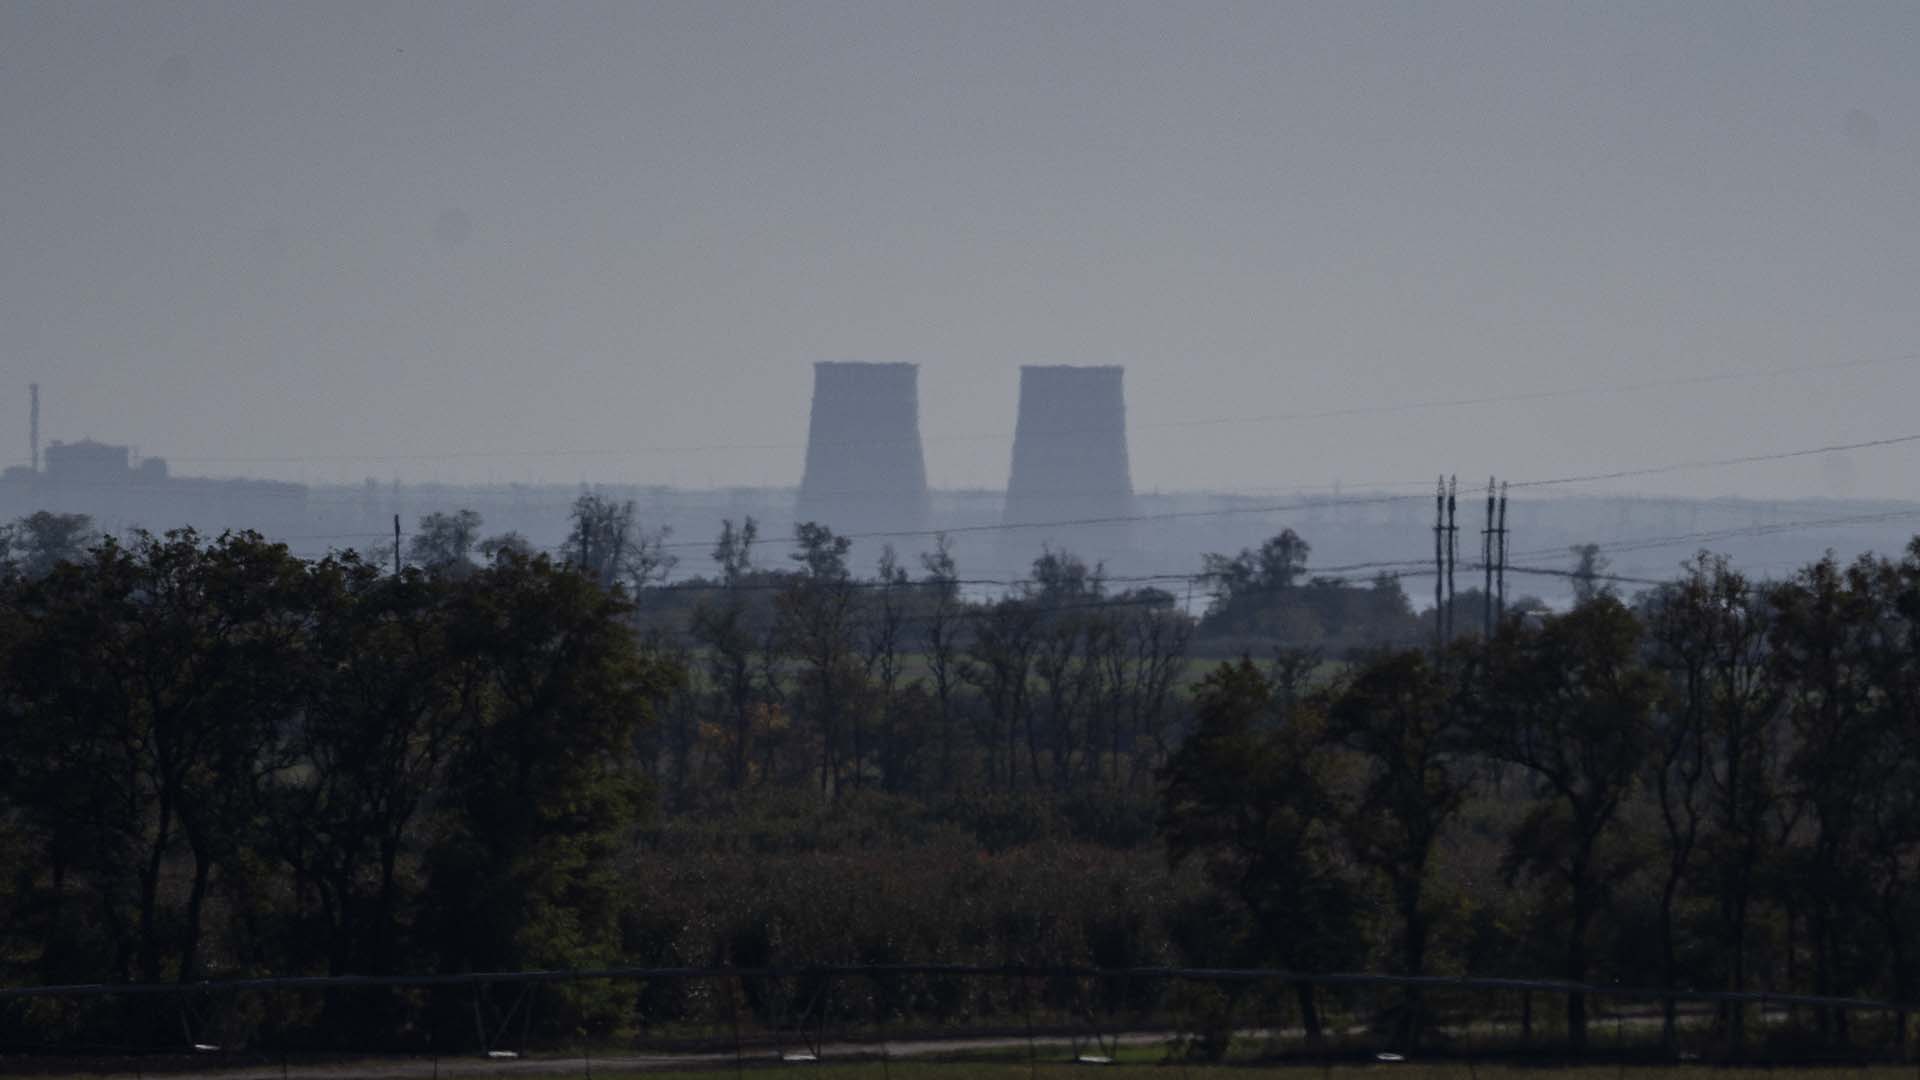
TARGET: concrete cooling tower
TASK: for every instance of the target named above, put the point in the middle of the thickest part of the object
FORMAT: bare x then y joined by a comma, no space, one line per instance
1069,447
865,471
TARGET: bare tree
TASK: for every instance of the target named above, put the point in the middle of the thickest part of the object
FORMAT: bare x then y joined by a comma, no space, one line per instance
817,612
1589,568
43,540
885,634
724,628
606,543
1068,595
945,624
1145,657
1688,623
502,543
1000,664
444,543
1275,567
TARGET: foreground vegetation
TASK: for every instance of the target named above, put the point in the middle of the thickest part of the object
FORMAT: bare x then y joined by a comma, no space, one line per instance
1377,1071
1381,1071
1022,1070
224,760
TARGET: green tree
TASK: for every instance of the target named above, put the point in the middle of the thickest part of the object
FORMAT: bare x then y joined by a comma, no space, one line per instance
1890,787
1712,768
153,678
1248,793
1395,711
374,735
1820,652
1570,703
1745,772
542,789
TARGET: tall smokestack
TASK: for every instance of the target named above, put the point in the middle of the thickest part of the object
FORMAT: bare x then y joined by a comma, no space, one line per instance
33,423
1070,446
865,471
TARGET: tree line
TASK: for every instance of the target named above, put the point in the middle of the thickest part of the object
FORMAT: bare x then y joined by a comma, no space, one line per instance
223,759
1729,767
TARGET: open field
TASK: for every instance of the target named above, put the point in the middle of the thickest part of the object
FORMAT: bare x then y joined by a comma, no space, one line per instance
1398,1071
1006,1069
1625,1044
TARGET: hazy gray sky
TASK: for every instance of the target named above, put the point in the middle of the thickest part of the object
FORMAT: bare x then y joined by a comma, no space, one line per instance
355,238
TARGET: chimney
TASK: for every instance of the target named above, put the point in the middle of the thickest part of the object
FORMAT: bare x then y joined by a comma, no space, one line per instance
33,423
865,471
1069,447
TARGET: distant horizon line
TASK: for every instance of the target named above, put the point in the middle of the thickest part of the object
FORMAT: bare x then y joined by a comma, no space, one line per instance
1329,491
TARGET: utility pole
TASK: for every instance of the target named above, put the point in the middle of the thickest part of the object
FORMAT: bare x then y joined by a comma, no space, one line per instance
396,545
1439,568
33,423
1453,546
1500,576
1486,561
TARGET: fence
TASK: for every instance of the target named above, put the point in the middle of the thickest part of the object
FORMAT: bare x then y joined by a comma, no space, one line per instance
733,1018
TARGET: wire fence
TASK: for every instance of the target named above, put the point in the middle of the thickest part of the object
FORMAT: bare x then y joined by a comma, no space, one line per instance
635,1019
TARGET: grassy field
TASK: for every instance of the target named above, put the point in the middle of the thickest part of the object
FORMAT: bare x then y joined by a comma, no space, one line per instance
1399,1071
991,1068
1000,1070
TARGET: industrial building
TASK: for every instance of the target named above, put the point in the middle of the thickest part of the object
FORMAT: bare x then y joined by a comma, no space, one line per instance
865,470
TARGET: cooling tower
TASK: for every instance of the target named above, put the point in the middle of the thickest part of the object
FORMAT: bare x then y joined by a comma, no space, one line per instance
865,471
1070,446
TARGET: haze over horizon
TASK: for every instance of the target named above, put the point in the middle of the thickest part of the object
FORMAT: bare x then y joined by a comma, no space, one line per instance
474,242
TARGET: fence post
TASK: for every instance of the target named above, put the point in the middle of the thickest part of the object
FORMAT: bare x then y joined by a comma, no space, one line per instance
733,1010
1305,989
1669,1023
479,1025
826,1020
878,993
1026,1003
286,1030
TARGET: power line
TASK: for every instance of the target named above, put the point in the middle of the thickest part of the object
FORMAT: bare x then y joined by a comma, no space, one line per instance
1715,463
1120,519
1409,567
1191,422
1622,579
1708,536
1543,395
1346,502
1114,519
